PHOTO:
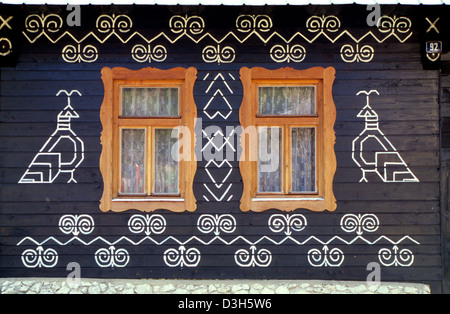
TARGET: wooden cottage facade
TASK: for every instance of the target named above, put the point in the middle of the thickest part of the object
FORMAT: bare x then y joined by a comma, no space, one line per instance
354,115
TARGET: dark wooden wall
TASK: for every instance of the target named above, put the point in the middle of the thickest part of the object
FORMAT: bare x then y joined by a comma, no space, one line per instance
445,175
408,214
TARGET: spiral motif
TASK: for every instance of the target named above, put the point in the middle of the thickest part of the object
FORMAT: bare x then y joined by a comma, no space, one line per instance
263,258
350,223
30,258
112,257
295,53
227,224
253,257
364,54
103,258
218,54
245,23
51,23
181,257
40,258
249,23
139,224
218,223
108,24
154,224
210,54
141,53
73,54
325,257
279,54
195,25
172,257
396,257
34,23
89,54
360,223
159,53
74,224
70,54
323,24
279,223
207,224
388,24
227,54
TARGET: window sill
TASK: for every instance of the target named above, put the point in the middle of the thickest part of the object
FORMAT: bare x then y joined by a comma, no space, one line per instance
288,204
148,204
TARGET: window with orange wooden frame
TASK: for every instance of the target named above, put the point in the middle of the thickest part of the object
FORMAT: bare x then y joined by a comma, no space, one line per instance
288,160
148,158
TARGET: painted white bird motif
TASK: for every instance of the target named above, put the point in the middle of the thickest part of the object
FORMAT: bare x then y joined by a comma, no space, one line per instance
63,152
374,153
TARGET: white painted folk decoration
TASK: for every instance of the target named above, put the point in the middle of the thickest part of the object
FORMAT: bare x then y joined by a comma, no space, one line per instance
78,54
112,257
219,54
288,53
147,224
326,257
76,224
216,224
194,28
381,157
359,223
396,257
40,257
351,54
253,257
182,257
147,53
287,223
49,163
327,254
218,91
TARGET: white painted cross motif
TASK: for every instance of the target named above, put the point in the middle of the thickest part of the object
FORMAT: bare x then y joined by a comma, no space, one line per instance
54,157
374,153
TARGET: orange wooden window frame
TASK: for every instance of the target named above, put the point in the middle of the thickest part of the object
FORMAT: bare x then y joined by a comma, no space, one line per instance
324,119
113,80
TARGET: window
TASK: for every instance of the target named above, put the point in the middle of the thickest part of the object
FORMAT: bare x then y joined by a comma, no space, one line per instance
288,159
148,159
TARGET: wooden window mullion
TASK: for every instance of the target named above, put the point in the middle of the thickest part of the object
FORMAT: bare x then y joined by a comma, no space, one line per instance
322,119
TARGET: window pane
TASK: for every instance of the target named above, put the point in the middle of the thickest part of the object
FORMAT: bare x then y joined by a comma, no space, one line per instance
287,100
149,102
270,143
303,159
132,161
166,168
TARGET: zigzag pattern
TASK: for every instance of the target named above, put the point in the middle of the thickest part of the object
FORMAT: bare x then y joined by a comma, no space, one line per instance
187,254
218,90
193,28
